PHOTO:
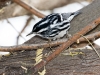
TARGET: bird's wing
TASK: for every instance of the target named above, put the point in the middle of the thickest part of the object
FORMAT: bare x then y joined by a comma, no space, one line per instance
59,27
54,29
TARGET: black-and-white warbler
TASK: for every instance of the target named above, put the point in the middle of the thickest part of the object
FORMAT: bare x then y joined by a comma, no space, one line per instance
54,26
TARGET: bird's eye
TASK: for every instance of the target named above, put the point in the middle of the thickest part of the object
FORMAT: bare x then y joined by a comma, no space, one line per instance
72,14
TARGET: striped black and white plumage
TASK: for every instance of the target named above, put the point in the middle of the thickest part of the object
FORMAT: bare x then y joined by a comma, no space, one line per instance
54,26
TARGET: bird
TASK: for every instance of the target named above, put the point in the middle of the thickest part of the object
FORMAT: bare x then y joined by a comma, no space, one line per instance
54,26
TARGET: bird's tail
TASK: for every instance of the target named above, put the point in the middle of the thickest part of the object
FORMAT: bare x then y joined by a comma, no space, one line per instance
73,15
77,13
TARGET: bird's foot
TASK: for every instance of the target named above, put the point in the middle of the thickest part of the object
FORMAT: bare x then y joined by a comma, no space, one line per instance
49,41
68,35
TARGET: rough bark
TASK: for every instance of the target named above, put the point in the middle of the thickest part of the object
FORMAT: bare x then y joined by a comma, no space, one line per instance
82,64
89,13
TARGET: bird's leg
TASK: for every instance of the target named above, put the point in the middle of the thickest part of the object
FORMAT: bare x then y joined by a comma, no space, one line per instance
49,41
71,53
68,35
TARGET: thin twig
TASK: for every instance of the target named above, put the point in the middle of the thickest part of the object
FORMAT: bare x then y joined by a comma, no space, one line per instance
31,9
91,37
95,45
45,45
65,45
91,45
27,23
15,28
82,42
30,46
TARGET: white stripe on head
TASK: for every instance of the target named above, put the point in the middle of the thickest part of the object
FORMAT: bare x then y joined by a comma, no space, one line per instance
61,16
43,29
44,22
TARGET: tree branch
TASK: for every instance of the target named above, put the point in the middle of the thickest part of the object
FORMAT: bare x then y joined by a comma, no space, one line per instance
29,8
65,45
91,37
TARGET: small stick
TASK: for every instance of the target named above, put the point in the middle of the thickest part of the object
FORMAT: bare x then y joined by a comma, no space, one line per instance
29,8
45,45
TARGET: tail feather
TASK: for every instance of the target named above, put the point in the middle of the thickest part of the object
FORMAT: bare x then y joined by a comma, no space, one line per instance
69,16
73,15
77,12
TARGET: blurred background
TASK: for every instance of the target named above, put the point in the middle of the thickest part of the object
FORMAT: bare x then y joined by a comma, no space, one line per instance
11,27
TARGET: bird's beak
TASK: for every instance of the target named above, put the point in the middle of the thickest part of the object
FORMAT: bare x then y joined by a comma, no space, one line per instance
29,34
